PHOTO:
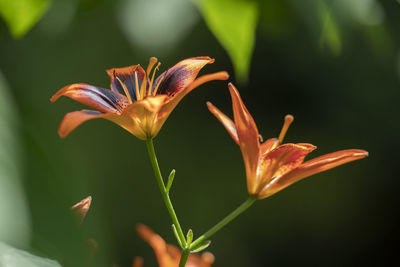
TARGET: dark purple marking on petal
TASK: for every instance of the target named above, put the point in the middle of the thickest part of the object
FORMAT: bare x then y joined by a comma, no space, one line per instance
105,96
127,77
173,81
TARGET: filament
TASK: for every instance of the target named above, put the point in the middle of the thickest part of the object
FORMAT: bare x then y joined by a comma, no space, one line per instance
158,84
288,120
137,87
152,77
128,95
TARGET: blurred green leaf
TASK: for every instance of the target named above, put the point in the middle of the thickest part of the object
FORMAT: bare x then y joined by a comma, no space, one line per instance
330,31
21,15
14,214
234,23
12,257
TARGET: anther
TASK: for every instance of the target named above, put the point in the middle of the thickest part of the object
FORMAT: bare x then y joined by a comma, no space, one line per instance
152,61
288,120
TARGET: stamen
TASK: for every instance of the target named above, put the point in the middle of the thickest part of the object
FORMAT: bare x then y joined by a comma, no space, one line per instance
137,87
288,120
152,61
143,88
152,77
128,95
158,84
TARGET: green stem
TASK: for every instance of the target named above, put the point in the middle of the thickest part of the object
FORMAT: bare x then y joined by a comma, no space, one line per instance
245,205
164,193
184,257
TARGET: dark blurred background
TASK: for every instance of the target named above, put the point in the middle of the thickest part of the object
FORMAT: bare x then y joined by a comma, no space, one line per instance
339,78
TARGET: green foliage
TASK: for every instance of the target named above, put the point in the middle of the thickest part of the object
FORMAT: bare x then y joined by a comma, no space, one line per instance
170,180
21,15
202,246
12,257
177,236
330,31
189,237
233,22
14,215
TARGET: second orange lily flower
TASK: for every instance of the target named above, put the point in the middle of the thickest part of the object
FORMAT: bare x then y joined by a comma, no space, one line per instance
271,166
137,102
169,255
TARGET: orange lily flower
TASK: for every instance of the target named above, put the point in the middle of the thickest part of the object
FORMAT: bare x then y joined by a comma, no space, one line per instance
169,255
137,102
272,166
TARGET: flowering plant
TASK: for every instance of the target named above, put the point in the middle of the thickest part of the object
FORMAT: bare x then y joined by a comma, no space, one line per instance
140,104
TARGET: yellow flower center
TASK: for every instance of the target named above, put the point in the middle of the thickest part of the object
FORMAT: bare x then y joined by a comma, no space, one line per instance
147,90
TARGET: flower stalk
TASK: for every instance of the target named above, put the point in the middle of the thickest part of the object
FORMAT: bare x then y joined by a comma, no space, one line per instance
163,190
244,206
184,257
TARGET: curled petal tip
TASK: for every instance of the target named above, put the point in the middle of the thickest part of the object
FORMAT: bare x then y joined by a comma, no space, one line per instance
209,59
83,204
361,153
224,75
81,208
55,97
62,133
208,257
233,90
140,225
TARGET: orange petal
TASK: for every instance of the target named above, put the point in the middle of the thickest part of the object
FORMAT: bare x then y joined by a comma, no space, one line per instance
181,75
324,163
228,123
248,138
98,98
74,119
172,101
204,260
127,76
144,114
137,262
157,243
81,208
280,161
315,166
268,145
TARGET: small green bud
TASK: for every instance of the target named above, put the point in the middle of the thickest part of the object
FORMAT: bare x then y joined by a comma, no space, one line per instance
170,180
189,237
